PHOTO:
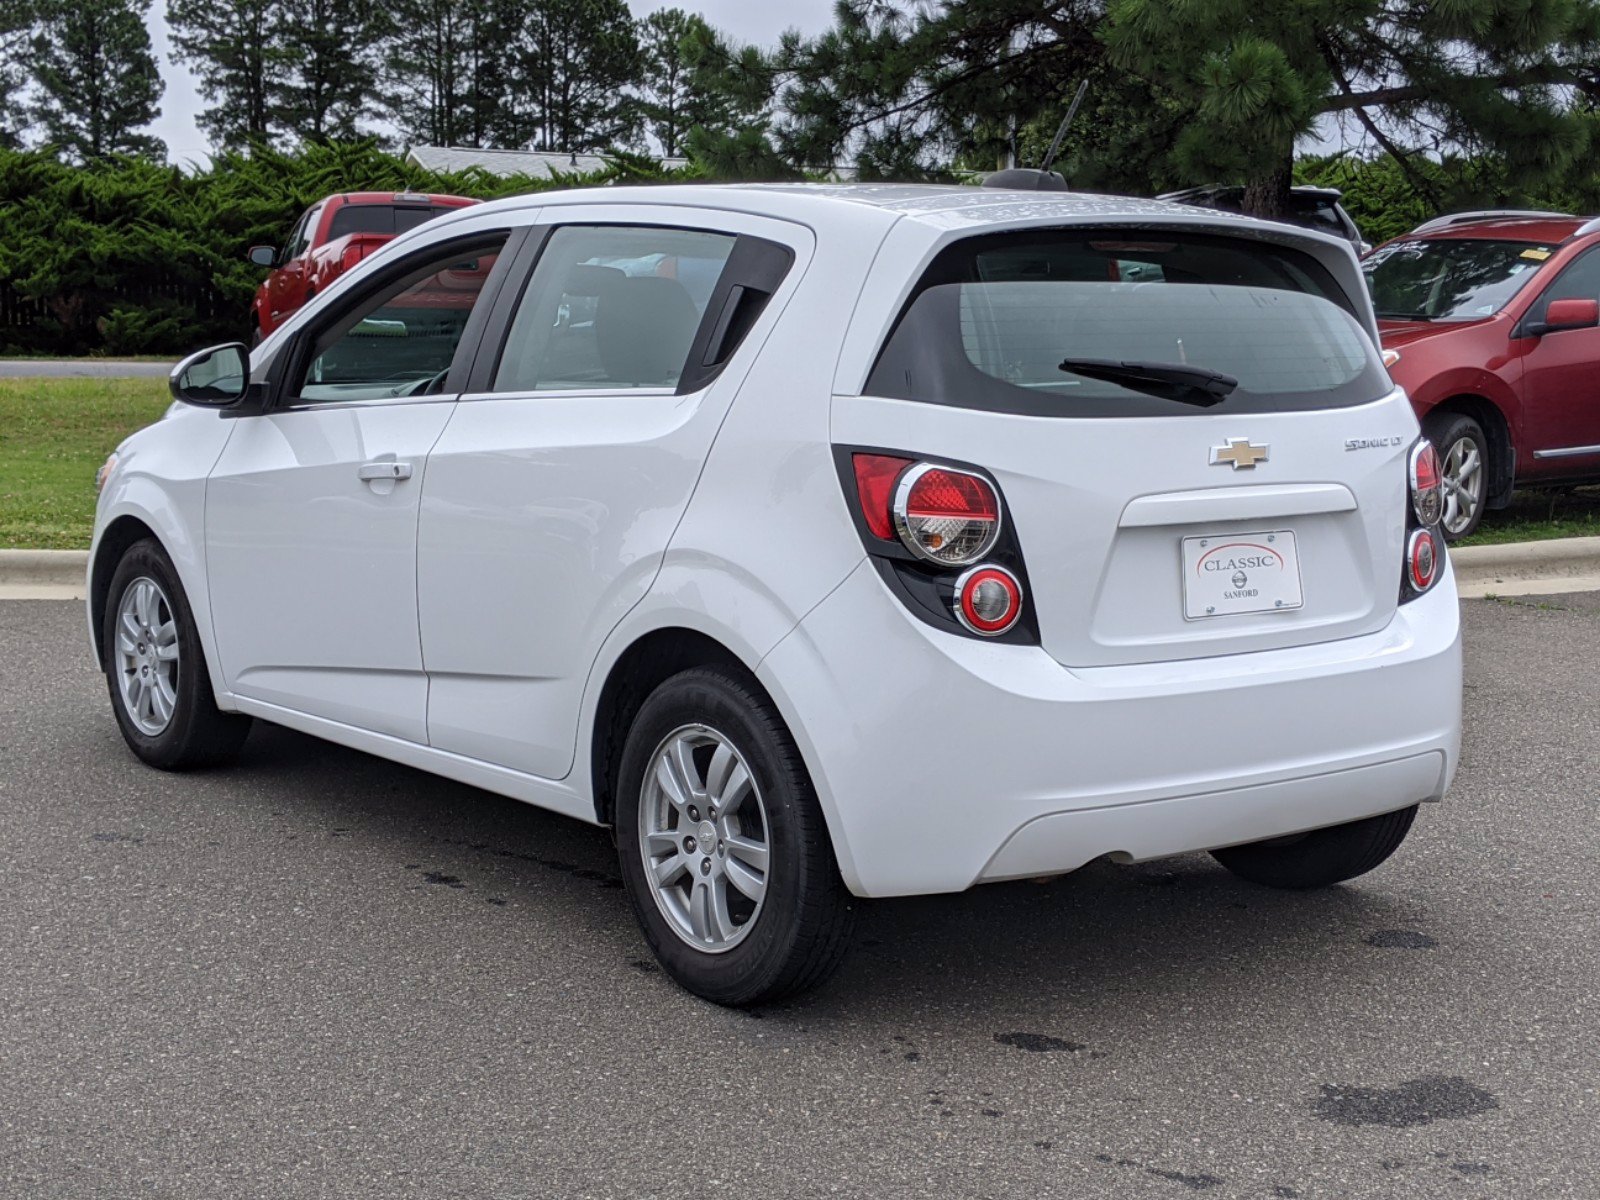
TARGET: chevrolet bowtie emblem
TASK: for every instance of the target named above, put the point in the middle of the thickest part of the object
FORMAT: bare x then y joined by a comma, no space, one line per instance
1240,453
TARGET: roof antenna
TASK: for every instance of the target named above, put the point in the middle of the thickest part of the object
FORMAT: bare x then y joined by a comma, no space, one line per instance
1061,129
1042,178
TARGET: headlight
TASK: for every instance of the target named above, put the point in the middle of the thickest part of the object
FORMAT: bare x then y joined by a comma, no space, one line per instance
104,473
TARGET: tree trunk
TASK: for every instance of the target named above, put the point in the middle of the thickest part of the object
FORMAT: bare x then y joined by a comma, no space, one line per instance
1267,195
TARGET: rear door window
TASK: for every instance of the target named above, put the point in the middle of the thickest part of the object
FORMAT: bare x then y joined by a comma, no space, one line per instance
612,307
1000,322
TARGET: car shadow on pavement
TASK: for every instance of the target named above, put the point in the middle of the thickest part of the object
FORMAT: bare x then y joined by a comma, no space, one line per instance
1107,936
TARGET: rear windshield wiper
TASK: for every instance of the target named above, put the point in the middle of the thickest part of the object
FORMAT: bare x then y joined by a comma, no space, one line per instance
1171,381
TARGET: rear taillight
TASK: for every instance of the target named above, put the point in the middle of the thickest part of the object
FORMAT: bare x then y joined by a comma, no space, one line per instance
1427,485
1424,544
937,533
1422,559
946,516
875,476
351,256
988,600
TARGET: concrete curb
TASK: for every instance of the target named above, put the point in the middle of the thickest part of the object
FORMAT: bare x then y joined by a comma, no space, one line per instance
1560,564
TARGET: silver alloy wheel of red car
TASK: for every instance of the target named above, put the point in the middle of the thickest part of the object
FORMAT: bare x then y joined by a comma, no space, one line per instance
1464,479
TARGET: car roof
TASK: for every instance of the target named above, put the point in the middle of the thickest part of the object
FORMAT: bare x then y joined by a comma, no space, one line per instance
942,208
442,198
1509,229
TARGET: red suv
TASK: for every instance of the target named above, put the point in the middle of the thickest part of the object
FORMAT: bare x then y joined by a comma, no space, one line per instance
332,236
1495,317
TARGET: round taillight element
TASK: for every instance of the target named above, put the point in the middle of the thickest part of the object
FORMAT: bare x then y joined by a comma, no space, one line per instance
1422,559
946,516
1427,484
988,600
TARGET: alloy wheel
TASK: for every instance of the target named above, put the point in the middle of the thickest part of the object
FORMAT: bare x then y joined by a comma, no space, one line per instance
704,838
147,655
1463,485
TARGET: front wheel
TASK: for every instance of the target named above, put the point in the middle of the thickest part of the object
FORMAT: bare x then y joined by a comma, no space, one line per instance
722,844
1322,857
156,668
1464,467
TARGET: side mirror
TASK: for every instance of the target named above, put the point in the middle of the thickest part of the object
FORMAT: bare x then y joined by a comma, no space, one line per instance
1571,314
214,378
264,256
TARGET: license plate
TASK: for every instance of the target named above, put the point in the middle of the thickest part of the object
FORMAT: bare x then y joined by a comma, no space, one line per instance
1240,573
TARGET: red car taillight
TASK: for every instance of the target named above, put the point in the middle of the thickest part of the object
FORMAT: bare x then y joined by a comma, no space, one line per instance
946,516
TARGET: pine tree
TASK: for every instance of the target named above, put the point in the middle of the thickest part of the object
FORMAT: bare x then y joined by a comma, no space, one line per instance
445,60
673,98
330,71
1193,91
572,62
16,30
236,49
96,78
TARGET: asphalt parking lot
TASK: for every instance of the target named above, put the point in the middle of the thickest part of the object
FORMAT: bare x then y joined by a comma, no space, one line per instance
320,974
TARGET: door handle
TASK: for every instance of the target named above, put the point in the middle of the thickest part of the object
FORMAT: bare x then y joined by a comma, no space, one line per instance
387,469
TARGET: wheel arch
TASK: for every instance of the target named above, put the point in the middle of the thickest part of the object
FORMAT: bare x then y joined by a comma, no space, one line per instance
121,533
1497,429
649,661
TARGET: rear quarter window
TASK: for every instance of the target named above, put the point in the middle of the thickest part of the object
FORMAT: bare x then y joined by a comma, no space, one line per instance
993,320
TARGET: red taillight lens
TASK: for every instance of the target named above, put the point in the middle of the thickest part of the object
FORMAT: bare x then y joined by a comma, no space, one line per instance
988,600
1427,486
1422,559
946,516
351,256
875,476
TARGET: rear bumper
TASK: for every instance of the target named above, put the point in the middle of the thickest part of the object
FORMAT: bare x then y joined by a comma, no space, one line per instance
943,761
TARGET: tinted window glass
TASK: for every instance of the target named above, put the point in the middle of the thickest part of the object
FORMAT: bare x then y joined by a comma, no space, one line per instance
379,218
402,340
611,307
995,321
1451,279
1580,281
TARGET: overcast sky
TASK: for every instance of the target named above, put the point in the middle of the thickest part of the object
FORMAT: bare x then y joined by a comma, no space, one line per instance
758,21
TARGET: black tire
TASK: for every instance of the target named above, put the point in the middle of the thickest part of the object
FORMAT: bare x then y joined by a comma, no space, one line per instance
802,929
197,732
255,335
1445,431
1324,856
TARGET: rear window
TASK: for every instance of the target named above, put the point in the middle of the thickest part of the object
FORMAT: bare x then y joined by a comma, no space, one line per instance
381,218
995,322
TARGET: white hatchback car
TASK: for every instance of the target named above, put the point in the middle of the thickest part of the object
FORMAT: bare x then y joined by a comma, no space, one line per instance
822,541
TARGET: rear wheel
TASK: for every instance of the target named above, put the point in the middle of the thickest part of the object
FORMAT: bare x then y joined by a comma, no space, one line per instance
156,669
722,844
1322,857
1464,465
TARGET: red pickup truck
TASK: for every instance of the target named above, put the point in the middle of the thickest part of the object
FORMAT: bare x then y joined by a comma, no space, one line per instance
332,236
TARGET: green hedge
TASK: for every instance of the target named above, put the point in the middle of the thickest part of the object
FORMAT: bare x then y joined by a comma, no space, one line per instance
126,257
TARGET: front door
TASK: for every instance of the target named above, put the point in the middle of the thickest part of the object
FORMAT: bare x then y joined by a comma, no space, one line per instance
1561,386
311,512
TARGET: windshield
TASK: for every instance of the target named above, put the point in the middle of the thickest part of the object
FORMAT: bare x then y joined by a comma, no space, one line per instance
1009,323
380,218
1451,279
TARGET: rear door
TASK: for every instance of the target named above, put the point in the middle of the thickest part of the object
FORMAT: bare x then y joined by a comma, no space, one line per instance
554,492
1157,520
